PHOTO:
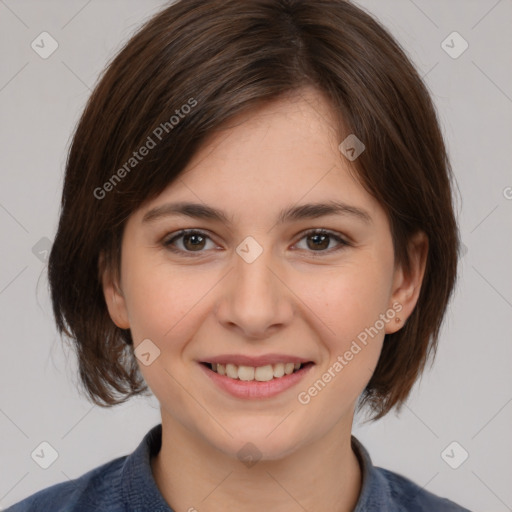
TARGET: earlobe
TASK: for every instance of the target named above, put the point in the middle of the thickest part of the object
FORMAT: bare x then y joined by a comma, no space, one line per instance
114,297
407,284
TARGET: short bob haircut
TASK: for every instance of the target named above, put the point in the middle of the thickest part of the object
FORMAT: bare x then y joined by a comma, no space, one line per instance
188,70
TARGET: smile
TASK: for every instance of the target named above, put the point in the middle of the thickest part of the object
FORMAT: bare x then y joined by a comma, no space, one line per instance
259,373
260,382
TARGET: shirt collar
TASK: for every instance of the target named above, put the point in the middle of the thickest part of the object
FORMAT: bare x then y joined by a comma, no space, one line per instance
139,489
375,494
140,492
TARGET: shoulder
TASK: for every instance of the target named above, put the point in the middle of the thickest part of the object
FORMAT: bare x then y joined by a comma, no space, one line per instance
98,489
383,490
121,485
405,495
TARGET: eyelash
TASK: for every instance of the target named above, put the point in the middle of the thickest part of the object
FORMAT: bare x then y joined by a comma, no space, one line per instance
194,254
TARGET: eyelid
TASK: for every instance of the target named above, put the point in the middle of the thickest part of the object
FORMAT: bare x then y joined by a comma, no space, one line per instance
168,239
339,237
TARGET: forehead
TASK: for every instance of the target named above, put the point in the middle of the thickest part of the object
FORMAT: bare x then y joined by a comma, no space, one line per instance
299,123
281,153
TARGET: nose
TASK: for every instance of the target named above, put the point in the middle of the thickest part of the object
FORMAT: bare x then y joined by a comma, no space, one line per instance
255,300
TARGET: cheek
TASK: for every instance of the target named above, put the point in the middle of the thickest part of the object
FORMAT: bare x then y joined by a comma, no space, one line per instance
152,299
350,305
350,298
163,301
161,308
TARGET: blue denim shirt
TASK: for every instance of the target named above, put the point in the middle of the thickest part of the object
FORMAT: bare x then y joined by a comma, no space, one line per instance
126,484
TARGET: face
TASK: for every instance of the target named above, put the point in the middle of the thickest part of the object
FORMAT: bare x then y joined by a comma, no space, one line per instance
257,287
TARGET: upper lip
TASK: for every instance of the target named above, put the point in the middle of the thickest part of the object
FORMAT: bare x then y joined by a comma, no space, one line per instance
244,360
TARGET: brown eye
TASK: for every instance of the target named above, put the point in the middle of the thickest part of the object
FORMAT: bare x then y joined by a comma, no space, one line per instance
319,241
193,242
190,241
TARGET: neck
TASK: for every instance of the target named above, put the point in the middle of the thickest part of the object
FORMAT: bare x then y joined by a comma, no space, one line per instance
192,474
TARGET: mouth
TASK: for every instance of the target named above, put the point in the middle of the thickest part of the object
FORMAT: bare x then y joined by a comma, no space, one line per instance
266,373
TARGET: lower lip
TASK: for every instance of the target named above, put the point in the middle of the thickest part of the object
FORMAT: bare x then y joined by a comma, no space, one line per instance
254,388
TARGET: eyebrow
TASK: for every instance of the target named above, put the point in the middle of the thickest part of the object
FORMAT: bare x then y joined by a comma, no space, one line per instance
290,214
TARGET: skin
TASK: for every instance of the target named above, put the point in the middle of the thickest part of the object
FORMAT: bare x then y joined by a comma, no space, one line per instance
286,301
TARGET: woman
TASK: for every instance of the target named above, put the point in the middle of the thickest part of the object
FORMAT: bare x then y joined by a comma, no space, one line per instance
257,226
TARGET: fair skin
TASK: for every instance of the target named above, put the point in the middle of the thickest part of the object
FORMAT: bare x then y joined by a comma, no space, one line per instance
294,298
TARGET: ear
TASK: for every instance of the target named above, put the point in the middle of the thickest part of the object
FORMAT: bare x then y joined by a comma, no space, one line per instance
114,297
407,285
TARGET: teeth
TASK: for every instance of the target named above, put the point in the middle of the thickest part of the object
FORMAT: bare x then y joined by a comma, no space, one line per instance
232,371
278,370
264,373
260,373
245,373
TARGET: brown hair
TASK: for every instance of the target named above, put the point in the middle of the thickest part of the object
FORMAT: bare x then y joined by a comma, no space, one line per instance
221,58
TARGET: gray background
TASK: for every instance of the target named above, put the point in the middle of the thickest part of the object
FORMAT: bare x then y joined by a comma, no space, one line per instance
466,397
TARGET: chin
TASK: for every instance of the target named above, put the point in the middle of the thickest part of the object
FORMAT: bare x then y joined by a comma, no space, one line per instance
261,441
